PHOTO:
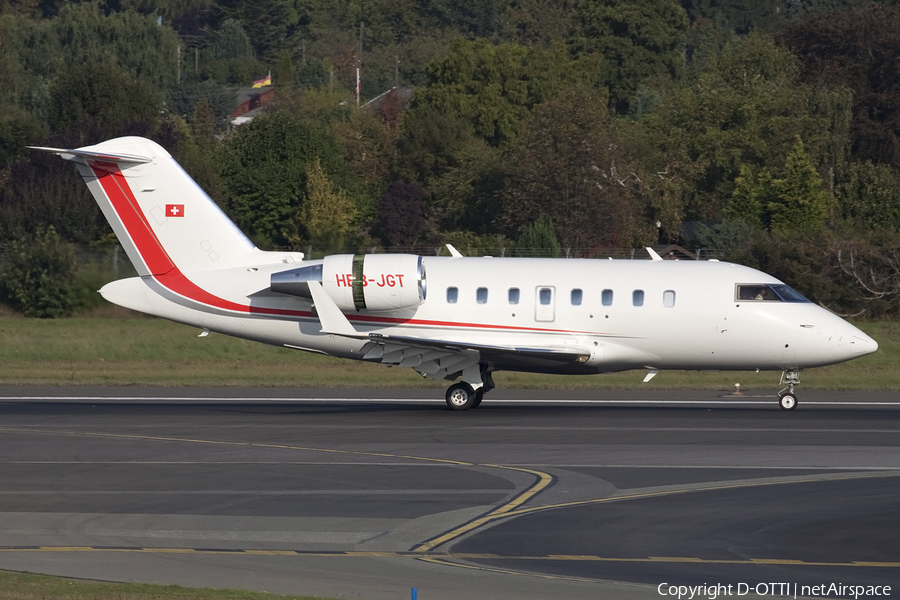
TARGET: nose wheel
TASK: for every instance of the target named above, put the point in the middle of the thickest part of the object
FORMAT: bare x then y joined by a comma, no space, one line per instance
787,399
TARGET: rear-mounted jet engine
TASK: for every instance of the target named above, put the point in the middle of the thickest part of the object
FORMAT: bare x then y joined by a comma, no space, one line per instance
377,282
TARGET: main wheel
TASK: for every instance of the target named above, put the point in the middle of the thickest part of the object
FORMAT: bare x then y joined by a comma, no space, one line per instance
479,396
461,396
787,402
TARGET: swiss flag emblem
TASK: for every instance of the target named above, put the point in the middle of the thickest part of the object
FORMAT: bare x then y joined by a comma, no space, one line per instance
174,210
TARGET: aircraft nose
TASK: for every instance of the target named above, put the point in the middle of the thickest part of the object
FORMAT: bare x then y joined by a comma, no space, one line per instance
861,344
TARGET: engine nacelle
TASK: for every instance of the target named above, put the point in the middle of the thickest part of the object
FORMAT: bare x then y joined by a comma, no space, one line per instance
361,282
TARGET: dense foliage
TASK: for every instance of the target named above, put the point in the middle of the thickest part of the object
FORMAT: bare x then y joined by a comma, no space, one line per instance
38,276
765,132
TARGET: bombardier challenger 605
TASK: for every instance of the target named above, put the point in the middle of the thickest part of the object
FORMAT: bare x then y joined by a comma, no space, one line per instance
454,318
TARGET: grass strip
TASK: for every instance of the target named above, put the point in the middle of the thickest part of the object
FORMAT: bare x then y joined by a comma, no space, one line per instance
149,351
26,586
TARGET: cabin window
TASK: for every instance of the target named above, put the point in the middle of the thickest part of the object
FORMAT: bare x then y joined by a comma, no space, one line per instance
576,297
545,296
669,298
481,295
637,297
513,295
452,295
606,297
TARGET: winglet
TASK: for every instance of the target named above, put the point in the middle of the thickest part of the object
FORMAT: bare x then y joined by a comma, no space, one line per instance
330,316
453,251
653,372
653,254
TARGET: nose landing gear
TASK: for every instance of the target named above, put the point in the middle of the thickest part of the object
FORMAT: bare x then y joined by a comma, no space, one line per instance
787,400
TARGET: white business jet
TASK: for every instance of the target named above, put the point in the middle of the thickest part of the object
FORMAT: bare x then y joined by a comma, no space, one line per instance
466,319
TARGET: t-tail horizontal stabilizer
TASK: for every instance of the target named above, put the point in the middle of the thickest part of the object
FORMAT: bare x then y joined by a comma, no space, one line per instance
86,155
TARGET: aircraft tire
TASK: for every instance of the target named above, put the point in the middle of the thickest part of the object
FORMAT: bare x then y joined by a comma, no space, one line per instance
461,396
787,402
479,396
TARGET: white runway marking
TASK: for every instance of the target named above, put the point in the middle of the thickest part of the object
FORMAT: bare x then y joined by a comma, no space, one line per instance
436,400
405,492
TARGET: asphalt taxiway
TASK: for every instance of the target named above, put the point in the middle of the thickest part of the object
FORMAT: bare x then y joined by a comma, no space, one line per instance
368,493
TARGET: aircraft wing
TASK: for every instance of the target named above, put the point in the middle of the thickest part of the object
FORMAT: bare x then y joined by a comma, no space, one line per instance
441,358
429,356
437,358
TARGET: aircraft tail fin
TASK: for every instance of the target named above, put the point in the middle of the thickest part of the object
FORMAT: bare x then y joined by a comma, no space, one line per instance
162,218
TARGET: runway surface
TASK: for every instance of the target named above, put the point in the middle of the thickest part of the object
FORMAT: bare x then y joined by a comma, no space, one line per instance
368,493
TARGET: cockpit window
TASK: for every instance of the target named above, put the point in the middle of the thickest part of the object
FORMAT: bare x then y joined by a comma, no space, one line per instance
756,292
788,294
768,292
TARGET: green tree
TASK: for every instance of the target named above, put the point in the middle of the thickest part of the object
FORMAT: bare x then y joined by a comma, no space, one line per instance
101,101
402,221
270,24
539,239
312,74
744,108
534,22
229,41
29,56
495,86
762,16
228,58
203,124
369,148
265,170
38,276
565,169
40,191
170,10
284,71
182,100
18,129
134,42
638,39
799,202
859,49
868,195
793,202
316,104
751,197
328,214
461,171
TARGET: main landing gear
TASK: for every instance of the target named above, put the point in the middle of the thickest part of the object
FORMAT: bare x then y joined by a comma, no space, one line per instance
461,396
787,400
469,392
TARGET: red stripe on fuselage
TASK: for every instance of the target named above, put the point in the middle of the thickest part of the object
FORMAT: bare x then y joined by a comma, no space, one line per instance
164,270
158,261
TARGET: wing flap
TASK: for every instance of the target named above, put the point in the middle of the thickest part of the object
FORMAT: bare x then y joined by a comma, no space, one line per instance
563,354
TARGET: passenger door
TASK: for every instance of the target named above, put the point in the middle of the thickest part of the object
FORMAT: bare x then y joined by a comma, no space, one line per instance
544,303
